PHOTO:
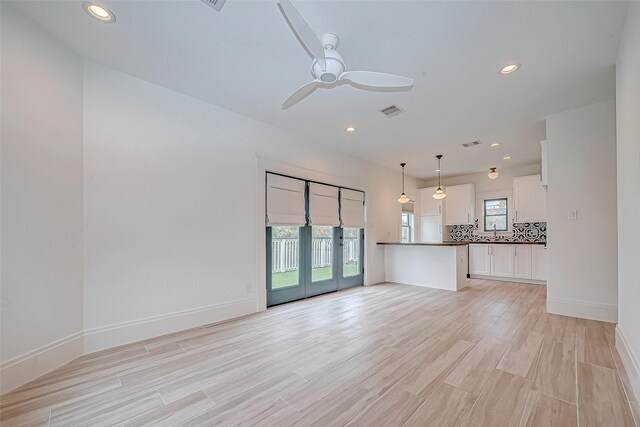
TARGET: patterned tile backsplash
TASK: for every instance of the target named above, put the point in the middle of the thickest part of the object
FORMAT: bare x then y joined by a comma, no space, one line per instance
522,232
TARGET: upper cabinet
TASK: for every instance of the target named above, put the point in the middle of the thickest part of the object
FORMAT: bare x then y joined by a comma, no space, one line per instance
428,205
529,199
461,204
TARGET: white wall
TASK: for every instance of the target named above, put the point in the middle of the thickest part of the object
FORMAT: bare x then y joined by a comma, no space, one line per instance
174,207
628,148
41,201
130,211
582,253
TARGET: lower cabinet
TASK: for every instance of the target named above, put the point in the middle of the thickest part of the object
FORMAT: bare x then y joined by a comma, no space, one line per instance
502,260
479,260
539,263
520,261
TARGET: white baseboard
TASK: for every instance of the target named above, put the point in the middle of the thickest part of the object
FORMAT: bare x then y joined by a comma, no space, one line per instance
508,279
31,365
127,332
629,360
583,309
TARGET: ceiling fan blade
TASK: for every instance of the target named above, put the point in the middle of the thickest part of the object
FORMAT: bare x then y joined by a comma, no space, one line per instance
301,93
373,79
303,31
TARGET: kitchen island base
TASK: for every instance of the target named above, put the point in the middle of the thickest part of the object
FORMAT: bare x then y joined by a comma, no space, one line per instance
438,266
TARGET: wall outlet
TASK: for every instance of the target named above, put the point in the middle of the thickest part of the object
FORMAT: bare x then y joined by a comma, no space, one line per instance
249,288
572,214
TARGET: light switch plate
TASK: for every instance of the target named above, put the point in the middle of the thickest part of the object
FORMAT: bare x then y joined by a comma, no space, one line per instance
572,215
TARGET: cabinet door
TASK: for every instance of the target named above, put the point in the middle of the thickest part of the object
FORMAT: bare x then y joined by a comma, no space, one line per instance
460,204
522,261
530,199
431,229
539,262
428,205
479,259
501,260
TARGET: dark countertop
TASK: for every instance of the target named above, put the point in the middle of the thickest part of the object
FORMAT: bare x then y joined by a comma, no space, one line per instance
424,244
499,242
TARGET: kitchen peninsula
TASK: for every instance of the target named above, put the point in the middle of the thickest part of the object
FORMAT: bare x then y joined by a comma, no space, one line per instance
430,265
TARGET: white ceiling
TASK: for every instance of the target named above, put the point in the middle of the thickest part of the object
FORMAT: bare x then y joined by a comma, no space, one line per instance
246,59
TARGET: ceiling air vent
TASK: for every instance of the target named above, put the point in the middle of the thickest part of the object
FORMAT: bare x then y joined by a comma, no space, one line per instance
392,111
471,144
216,4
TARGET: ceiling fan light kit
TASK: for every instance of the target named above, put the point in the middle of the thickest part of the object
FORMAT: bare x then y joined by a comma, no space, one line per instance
328,67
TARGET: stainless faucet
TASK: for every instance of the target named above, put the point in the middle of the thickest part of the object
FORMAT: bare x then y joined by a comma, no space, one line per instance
495,232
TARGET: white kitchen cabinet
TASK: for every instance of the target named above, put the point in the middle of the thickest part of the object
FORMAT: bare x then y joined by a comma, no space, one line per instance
508,261
460,204
539,262
479,259
522,261
501,260
431,229
428,205
431,217
529,199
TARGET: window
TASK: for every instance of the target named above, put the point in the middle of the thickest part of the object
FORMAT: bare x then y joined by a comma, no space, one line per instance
495,215
407,227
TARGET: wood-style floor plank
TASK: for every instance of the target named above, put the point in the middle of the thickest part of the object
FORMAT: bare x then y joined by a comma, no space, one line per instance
601,398
446,407
502,401
555,375
378,355
542,410
521,356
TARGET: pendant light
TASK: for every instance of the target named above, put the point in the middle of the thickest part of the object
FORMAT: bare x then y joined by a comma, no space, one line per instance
493,174
403,197
439,194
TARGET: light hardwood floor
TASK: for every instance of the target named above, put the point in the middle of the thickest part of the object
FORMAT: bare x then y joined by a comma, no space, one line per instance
384,355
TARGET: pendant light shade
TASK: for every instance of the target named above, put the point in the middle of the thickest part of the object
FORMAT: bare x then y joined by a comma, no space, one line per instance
493,174
403,197
439,194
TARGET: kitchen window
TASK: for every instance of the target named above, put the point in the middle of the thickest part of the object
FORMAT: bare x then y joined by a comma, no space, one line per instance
407,227
496,215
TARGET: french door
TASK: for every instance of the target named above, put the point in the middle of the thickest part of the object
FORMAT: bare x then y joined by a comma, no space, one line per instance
311,260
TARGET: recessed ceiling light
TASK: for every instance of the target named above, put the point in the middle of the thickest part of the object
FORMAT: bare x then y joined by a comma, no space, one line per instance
508,69
436,170
99,12
351,129
495,144
506,158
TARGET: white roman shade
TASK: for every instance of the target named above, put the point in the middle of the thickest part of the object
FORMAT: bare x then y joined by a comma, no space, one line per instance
407,207
351,208
285,201
323,205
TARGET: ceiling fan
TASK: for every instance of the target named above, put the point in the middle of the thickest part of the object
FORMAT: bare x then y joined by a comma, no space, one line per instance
328,67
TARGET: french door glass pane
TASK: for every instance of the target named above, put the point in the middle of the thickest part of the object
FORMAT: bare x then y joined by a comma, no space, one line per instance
350,252
285,256
321,253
